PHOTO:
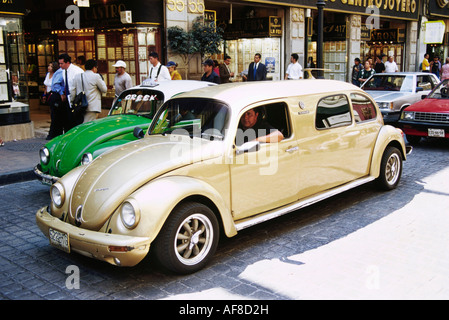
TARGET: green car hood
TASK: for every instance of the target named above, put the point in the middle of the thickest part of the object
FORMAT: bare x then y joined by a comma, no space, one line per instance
67,150
113,176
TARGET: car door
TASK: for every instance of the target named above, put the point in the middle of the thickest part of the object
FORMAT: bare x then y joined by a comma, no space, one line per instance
332,150
266,178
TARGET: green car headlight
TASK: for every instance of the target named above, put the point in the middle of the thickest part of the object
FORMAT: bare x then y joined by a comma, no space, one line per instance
57,194
87,158
44,155
130,214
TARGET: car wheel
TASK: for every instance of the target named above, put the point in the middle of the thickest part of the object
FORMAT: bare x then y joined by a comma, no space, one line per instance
390,169
413,139
188,238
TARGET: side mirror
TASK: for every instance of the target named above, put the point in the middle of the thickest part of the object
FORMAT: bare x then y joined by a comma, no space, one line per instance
423,96
138,133
418,89
250,146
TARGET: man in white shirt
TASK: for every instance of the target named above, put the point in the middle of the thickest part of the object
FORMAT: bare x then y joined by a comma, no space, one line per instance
69,72
390,65
294,69
158,72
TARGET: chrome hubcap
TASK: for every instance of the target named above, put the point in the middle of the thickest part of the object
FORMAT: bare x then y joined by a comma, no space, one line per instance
393,168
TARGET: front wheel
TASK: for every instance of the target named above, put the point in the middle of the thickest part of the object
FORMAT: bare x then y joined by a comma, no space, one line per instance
188,239
390,169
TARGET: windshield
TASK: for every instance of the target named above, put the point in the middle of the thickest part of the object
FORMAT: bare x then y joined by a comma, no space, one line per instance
389,83
197,117
142,102
441,91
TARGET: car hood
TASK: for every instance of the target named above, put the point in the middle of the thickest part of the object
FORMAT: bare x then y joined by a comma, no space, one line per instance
387,96
113,176
68,148
430,105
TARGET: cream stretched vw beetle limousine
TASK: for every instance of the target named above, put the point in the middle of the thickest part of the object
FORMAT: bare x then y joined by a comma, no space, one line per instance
217,160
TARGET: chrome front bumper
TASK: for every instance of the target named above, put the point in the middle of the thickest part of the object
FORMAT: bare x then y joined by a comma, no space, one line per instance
43,177
115,249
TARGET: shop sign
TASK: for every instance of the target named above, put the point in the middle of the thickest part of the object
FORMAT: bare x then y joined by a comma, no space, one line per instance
12,6
439,8
405,9
434,32
382,35
253,28
334,32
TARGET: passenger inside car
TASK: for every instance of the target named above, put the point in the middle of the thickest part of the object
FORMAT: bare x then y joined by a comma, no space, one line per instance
252,126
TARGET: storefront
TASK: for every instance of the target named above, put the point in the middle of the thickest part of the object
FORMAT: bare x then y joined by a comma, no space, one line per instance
250,29
435,30
14,108
103,34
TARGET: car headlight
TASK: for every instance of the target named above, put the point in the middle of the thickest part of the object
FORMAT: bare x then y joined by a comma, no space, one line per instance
408,115
44,155
385,105
130,214
57,194
87,158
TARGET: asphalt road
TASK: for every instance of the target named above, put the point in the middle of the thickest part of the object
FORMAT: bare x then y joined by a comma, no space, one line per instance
330,250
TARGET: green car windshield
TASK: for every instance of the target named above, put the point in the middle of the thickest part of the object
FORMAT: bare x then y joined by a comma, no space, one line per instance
141,102
196,117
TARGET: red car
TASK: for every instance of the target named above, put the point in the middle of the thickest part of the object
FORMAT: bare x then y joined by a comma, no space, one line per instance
428,117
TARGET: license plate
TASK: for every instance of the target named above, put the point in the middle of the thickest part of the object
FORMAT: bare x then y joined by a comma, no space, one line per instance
60,240
436,133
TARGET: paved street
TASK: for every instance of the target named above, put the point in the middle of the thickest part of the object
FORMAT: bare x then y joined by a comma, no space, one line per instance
363,244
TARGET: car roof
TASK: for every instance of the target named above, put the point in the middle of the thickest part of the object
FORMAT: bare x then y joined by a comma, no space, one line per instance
241,94
172,87
404,73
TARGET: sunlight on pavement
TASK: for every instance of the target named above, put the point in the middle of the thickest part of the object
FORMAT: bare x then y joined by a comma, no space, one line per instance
211,294
401,256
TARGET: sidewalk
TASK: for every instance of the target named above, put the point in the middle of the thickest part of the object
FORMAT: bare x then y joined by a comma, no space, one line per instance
18,158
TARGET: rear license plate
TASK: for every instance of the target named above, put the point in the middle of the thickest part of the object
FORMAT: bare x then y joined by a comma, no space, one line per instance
60,240
436,133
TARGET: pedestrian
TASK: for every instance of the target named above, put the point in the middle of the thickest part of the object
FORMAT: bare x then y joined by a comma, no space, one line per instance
445,70
69,72
174,74
294,69
225,73
158,72
122,80
52,67
366,72
425,65
80,62
209,73
93,86
435,66
379,67
310,63
58,108
355,72
257,71
390,65
216,67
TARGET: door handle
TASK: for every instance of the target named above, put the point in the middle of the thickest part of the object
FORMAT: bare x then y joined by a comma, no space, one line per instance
291,150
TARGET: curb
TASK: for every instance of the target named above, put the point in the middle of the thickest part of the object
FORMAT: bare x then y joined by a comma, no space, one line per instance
18,176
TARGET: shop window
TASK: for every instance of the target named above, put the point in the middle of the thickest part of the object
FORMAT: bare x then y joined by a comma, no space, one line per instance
363,108
333,111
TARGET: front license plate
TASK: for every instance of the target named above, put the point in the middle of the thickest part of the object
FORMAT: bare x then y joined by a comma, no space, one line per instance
60,240
439,133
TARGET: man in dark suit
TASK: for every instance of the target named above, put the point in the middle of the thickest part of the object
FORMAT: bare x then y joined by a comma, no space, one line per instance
257,71
225,72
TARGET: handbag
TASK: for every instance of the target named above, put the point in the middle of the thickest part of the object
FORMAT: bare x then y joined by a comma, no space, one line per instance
80,103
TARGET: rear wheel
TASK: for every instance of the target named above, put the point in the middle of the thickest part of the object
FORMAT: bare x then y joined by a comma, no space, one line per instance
390,169
188,239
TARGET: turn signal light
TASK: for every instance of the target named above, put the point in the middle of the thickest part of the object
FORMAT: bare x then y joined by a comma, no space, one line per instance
119,249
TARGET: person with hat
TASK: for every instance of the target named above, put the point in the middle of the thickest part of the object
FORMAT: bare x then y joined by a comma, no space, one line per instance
122,79
171,65
209,73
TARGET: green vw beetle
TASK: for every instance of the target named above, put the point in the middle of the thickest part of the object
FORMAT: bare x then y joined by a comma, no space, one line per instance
134,108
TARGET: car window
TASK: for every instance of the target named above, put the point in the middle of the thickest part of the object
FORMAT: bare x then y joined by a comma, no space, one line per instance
333,111
441,91
266,119
139,102
389,83
425,82
197,117
362,107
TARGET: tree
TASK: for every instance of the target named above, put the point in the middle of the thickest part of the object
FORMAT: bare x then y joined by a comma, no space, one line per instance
203,39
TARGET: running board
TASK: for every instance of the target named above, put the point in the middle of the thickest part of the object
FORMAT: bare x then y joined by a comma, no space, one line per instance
265,216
